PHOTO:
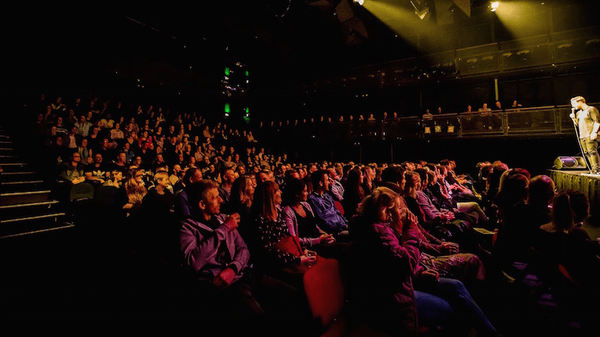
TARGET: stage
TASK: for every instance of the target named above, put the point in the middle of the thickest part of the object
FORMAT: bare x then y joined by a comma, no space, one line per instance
583,181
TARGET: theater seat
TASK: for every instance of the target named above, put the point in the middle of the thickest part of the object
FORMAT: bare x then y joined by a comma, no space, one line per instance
325,294
339,207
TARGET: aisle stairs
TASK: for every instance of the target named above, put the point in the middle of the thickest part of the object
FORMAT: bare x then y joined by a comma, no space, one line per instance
26,205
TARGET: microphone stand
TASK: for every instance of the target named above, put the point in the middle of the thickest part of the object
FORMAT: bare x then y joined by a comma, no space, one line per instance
585,159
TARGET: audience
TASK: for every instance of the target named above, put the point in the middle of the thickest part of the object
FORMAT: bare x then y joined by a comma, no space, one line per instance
294,218
384,236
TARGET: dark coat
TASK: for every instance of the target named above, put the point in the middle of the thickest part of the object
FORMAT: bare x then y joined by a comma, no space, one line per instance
378,269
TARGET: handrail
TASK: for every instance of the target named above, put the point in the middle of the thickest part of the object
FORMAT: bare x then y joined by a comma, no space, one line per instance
539,121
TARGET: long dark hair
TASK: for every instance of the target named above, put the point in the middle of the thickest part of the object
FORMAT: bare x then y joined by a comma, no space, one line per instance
264,203
293,188
353,185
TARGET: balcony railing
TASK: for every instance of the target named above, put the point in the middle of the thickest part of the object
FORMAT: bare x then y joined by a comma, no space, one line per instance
540,121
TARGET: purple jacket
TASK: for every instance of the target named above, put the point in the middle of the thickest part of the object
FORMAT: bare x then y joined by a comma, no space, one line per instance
200,245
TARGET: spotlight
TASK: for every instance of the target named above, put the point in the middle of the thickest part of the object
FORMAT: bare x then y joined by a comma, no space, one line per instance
421,8
494,5
360,2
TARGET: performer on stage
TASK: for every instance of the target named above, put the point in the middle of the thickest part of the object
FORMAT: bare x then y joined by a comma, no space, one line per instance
587,120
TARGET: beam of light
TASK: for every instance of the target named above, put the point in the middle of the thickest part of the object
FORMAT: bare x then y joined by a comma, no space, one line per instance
401,19
522,18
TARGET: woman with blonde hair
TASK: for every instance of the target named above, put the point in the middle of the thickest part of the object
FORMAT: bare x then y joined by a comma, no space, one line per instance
136,190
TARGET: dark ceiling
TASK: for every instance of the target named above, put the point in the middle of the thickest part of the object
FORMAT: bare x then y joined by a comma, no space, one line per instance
283,40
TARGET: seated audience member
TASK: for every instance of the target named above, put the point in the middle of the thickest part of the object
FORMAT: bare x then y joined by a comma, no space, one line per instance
483,170
368,182
72,171
57,152
540,195
515,230
563,241
136,190
419,203
570,260
216,259
116,134
453,187
393,177
384,237
264,175
445,258
96,172
292,174
85,152
443,224
301,221
115,178
182,207
121,163
277,253
442,200
322,203
242,194
337,188
492,187
354,191
158,236
227,179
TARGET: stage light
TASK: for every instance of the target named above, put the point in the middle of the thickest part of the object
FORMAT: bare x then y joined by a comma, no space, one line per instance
421,9
494,5
360,2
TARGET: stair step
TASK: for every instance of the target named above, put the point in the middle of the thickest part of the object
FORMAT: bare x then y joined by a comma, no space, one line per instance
35,227
19,176
13,167
6,158
29,204
22,186
14,164
33,217
30,209
18,172
11,198
22,182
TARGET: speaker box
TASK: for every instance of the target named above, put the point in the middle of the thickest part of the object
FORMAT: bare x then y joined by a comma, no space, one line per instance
570,163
